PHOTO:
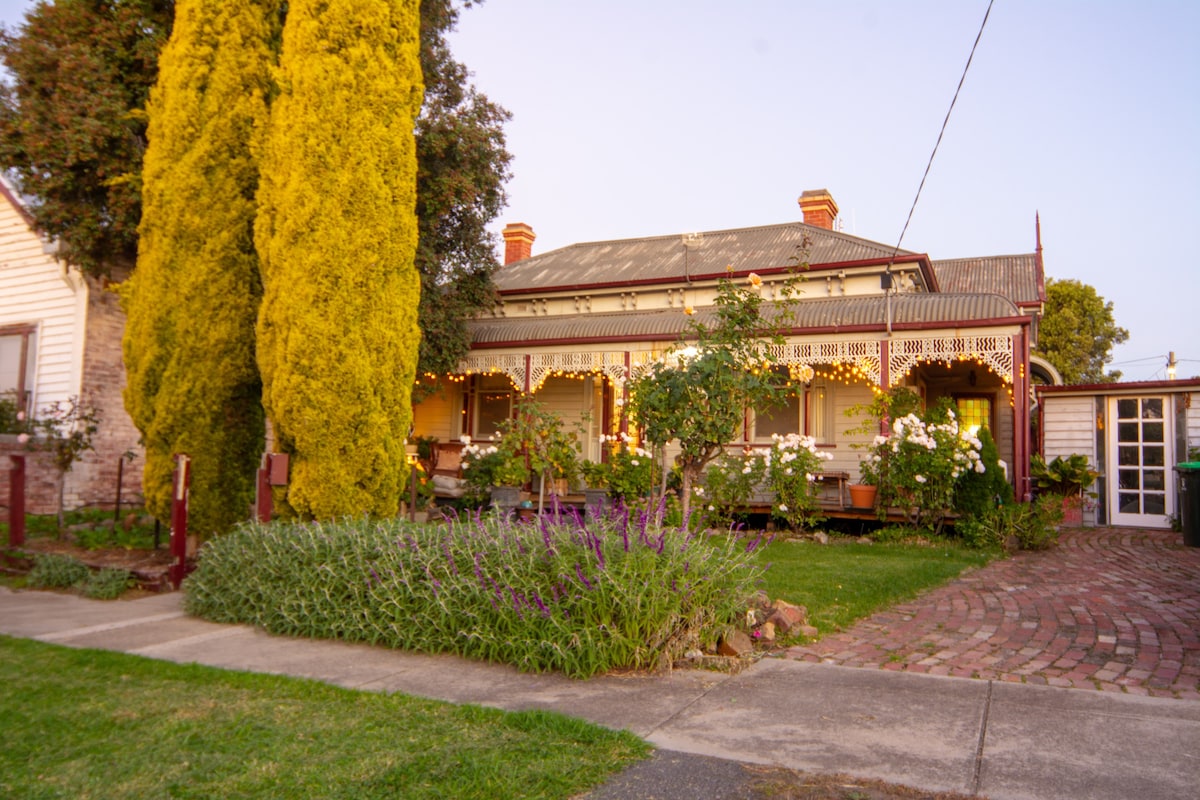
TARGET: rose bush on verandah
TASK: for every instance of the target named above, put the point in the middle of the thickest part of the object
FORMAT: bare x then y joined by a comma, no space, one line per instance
789,471
918,464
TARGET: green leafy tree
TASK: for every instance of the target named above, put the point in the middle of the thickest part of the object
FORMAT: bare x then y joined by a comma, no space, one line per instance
192,381
71,129
337,236
1078,332
698,393
462,166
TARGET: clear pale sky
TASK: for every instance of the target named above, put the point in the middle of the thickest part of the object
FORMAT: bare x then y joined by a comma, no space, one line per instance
648,117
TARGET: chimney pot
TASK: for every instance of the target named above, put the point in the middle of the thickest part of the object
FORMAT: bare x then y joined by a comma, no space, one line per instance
819,208
518,242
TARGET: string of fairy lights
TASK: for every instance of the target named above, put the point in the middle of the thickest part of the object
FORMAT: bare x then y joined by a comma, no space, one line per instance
848,373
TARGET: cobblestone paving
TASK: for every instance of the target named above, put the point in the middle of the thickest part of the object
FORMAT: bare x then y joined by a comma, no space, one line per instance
1109,609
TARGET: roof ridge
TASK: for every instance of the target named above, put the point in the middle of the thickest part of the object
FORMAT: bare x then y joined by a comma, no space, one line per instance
804,226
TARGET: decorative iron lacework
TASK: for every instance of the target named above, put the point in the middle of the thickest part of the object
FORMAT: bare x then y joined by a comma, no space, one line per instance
510,364
994,351
609,364
640,359
862,354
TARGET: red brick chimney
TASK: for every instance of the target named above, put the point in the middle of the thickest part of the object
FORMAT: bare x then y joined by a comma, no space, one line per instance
518,242
819,208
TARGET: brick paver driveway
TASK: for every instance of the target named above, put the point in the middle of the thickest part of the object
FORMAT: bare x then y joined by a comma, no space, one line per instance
1114,609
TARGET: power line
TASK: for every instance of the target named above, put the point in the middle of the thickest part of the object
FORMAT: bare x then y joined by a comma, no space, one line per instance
942,132
928,165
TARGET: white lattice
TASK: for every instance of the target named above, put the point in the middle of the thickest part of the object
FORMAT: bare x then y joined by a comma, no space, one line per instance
609,364
510,364
994,351
863,354
640,359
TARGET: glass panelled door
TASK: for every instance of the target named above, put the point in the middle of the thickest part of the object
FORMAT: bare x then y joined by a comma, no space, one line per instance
1141,488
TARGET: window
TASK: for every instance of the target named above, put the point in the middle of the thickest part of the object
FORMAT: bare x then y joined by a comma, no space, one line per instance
974,412
780,420
493,405
808,410
18,349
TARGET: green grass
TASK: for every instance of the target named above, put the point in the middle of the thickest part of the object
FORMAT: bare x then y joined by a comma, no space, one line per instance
843,582
91,724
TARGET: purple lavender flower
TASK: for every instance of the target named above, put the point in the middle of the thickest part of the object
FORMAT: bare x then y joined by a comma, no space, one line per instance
582,579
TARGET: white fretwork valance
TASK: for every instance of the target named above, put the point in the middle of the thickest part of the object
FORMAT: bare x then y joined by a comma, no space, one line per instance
510,364
610,364
862,354
994,351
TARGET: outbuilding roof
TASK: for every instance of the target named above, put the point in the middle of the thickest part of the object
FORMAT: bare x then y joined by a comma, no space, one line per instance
816,315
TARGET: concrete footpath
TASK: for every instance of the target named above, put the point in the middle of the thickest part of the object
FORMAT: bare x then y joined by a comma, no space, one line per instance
986,738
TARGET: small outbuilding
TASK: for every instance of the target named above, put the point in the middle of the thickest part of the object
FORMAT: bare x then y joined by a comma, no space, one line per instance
1133,434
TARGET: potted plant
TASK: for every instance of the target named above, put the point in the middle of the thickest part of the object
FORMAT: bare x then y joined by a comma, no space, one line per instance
496,469
1067,478
863,493
874,417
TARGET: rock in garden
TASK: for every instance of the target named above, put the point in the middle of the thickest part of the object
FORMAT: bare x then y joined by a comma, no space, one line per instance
735,643
785,616
820,537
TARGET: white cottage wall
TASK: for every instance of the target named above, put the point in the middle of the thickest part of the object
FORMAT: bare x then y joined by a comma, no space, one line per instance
37,290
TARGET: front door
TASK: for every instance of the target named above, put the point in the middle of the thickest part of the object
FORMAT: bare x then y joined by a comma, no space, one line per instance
1141,491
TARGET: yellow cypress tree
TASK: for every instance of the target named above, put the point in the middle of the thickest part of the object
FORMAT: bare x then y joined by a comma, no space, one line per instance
192,379
336,235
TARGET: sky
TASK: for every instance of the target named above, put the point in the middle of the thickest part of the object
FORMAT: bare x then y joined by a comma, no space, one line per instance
660,117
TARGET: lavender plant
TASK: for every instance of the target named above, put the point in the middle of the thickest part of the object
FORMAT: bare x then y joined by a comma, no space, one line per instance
560,594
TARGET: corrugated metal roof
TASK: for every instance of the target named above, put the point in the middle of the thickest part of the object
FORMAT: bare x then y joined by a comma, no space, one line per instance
1016,277
627,261
823,313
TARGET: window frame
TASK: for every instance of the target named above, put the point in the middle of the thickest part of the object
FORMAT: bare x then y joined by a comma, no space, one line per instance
26,363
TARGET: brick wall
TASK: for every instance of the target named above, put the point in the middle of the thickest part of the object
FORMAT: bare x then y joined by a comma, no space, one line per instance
93,481
41,484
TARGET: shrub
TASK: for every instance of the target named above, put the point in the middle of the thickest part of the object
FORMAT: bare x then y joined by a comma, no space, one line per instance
55,571
107,584
1024,526
976,493
615,593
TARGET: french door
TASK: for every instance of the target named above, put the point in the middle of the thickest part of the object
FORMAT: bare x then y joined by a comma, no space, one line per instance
1141,486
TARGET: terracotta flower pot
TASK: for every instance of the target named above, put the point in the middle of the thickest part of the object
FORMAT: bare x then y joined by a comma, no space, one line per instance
862,495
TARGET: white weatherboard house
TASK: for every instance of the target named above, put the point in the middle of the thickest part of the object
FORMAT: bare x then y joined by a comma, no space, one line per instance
1133,434
573,325
60,337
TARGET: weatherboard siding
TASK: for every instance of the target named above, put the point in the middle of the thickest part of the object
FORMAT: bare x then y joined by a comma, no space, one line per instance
1069,427
37,290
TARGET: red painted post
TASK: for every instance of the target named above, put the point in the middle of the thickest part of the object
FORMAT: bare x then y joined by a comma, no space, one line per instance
262,493
16,502
179,504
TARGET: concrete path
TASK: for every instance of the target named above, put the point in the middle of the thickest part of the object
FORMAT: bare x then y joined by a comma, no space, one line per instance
997,737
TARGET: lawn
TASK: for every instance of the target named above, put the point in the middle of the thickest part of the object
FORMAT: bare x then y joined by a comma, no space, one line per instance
89,724
842,582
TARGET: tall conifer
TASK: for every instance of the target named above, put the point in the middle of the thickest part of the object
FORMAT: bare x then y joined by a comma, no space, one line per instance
336,235
193,384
